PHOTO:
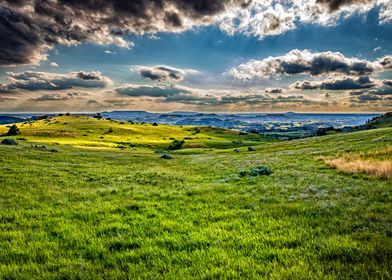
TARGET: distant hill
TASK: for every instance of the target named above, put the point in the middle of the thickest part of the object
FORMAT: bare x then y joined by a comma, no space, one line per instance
377,122
10,119
382,121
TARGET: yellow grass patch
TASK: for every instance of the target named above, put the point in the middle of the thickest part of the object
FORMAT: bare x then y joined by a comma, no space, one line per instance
381,169
195,145
383,152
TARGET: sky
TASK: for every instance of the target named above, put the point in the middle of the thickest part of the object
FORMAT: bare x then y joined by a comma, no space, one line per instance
196,55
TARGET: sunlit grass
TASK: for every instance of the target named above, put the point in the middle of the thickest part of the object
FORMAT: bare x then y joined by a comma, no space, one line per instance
372,162
89,132
110,213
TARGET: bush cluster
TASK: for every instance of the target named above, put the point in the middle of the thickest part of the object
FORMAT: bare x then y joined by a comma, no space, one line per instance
176,144
257,171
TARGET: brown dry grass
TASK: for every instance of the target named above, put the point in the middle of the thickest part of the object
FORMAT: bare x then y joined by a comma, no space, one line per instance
381,169
383,152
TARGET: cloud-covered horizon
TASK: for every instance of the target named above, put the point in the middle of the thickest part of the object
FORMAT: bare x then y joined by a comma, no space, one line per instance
28,28
249,55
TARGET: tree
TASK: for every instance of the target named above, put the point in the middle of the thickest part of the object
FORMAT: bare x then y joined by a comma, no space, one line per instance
14,130
176,145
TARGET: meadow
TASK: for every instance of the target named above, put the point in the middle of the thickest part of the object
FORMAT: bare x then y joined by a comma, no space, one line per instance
92,199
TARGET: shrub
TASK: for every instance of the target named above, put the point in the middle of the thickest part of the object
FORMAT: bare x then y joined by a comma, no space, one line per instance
44,117
166,156
176,145
263,170
8,141
14,130
257,171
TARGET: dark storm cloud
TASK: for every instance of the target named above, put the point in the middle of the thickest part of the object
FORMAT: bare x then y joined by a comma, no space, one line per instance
344,83
161,73
387,83
334,5
21,38
34,81
29,27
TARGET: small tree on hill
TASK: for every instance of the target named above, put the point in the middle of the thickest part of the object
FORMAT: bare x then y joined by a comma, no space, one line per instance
176,145
14,130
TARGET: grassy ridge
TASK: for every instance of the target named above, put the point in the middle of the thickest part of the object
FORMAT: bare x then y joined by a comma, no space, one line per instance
89,132
111,214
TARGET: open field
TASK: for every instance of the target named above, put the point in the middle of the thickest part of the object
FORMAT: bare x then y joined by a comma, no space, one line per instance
89,210
88,132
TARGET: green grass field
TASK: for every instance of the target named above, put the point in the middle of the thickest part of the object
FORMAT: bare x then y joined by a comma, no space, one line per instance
111,208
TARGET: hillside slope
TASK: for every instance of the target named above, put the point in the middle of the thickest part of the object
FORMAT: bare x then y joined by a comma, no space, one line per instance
115,214
378,122
90,132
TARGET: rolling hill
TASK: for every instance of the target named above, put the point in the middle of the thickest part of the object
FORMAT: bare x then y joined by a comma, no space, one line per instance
89,132
78,207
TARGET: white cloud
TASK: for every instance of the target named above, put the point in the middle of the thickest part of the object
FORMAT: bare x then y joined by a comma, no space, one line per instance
271,17
110,52
377,49
304,62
